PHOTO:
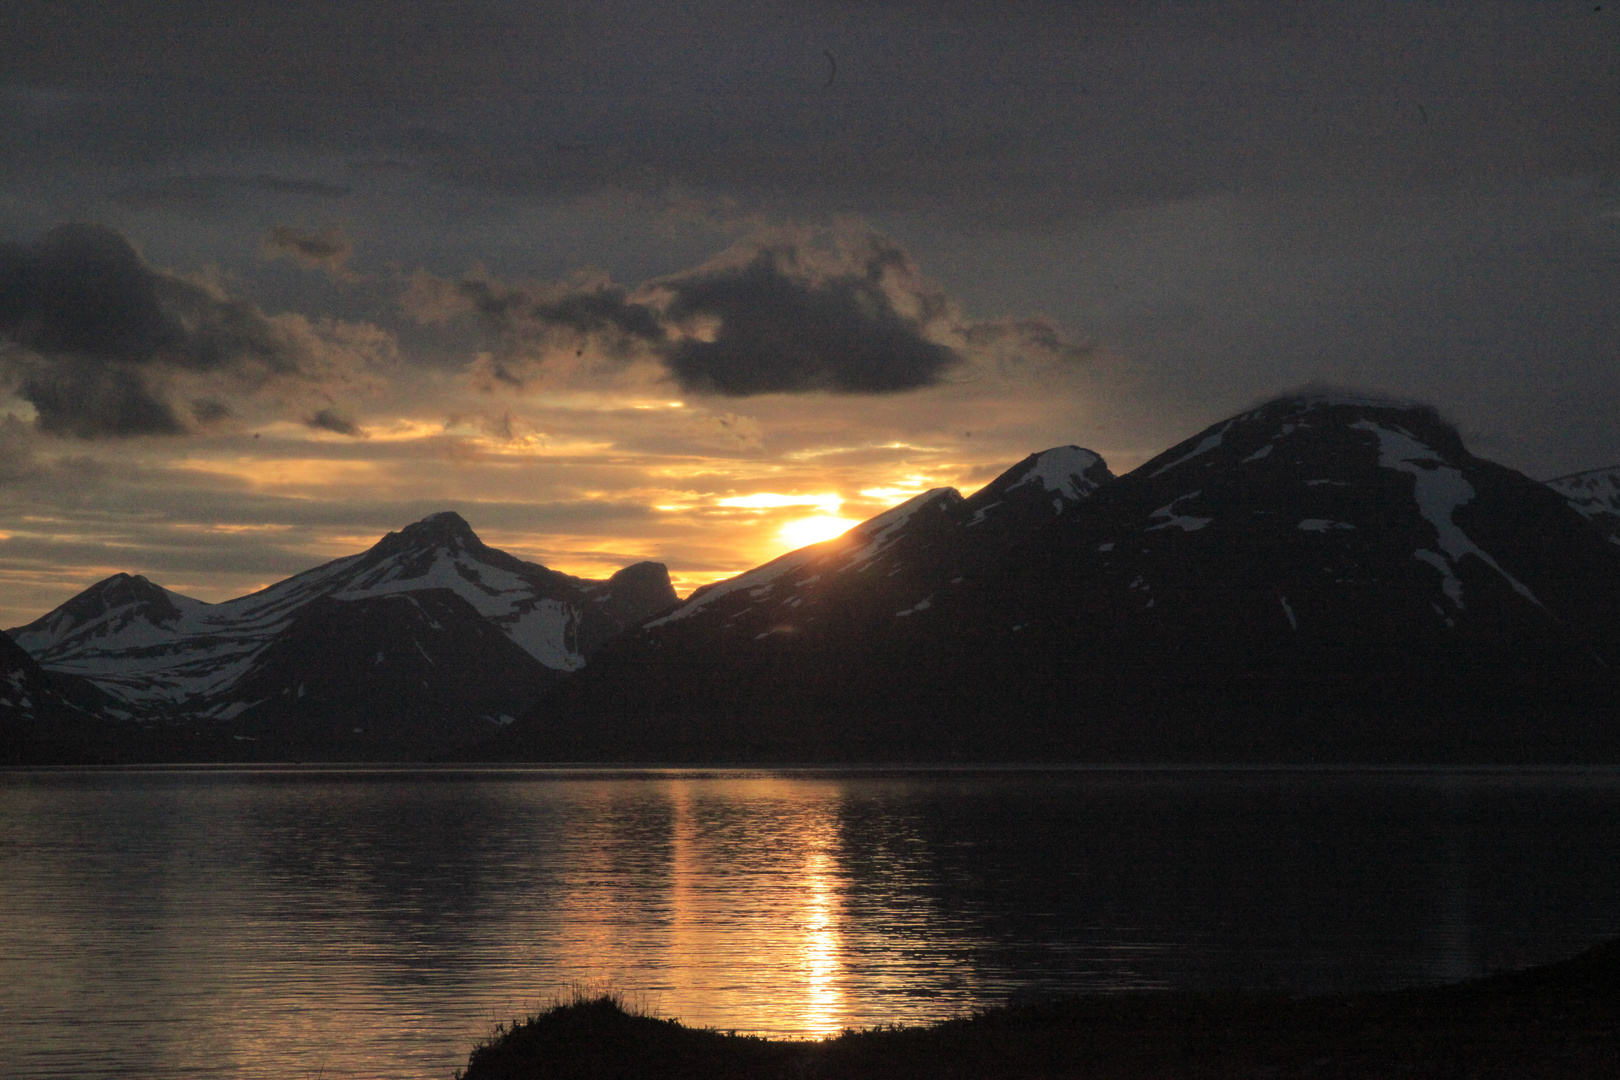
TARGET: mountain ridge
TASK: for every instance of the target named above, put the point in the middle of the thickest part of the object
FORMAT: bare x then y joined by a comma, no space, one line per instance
1321,577
167,658
1318,578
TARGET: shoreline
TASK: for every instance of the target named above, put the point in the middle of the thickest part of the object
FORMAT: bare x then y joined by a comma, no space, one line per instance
1555,1020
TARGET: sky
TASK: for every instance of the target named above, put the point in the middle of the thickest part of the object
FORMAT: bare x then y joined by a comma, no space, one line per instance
703,282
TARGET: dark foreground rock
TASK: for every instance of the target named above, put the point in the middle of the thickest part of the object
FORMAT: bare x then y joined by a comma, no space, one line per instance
1560,1020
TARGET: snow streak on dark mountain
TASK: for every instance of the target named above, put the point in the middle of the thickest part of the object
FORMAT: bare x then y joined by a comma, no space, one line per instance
1322,578
48,718
1596,496
29,693
411,644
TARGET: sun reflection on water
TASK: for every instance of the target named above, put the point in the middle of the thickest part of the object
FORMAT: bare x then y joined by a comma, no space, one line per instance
822,941
781,960
371,923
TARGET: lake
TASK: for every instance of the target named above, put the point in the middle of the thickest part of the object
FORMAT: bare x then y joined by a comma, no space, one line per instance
374,922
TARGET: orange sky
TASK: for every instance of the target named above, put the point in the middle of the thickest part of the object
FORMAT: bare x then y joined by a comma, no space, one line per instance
604,282
580,479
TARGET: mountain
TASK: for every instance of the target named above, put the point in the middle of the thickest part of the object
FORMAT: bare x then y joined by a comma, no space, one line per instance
1317,579
428,638
29,693
1595,495
858,577
46,717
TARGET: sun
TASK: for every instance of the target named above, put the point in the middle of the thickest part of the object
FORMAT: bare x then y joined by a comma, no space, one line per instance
813,530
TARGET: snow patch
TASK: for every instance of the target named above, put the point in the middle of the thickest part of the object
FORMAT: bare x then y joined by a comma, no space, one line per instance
492,592
1591,493
1179,521
1205,445
1439,489
1450,584
1061,469
753,579
978,515
883,530
544,632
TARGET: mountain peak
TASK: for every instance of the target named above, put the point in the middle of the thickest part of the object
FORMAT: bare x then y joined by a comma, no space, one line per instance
445,521
446,528
1350,419
122,590
1043,484
1344,405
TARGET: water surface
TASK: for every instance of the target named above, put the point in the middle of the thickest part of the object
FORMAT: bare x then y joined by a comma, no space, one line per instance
336,922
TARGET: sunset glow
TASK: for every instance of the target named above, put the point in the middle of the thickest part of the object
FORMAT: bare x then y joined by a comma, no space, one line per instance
703,505
813,530
769,500
636,348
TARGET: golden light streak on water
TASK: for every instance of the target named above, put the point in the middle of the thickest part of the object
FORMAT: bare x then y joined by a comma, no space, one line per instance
821,944
779,962
375,922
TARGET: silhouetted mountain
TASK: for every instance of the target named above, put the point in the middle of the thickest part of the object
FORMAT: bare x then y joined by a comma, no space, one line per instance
428,638
48,717
1317,579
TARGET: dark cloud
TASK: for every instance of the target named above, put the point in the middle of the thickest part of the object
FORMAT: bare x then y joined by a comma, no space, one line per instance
335,420
328,248
783,312
90,399
99,342
781,327
211,410
593,309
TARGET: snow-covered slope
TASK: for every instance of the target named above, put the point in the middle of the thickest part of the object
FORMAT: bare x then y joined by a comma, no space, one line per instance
1042,484
160,651
1596,496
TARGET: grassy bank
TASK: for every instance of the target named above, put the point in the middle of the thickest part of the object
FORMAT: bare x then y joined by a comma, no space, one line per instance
1560,1020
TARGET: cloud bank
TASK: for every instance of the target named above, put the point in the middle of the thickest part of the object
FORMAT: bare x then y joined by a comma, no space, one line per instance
103,345
787,311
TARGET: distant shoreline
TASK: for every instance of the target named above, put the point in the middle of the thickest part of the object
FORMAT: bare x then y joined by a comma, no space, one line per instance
1556,1020
856,768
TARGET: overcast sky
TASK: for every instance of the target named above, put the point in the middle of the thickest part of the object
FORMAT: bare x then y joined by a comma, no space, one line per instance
654,280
